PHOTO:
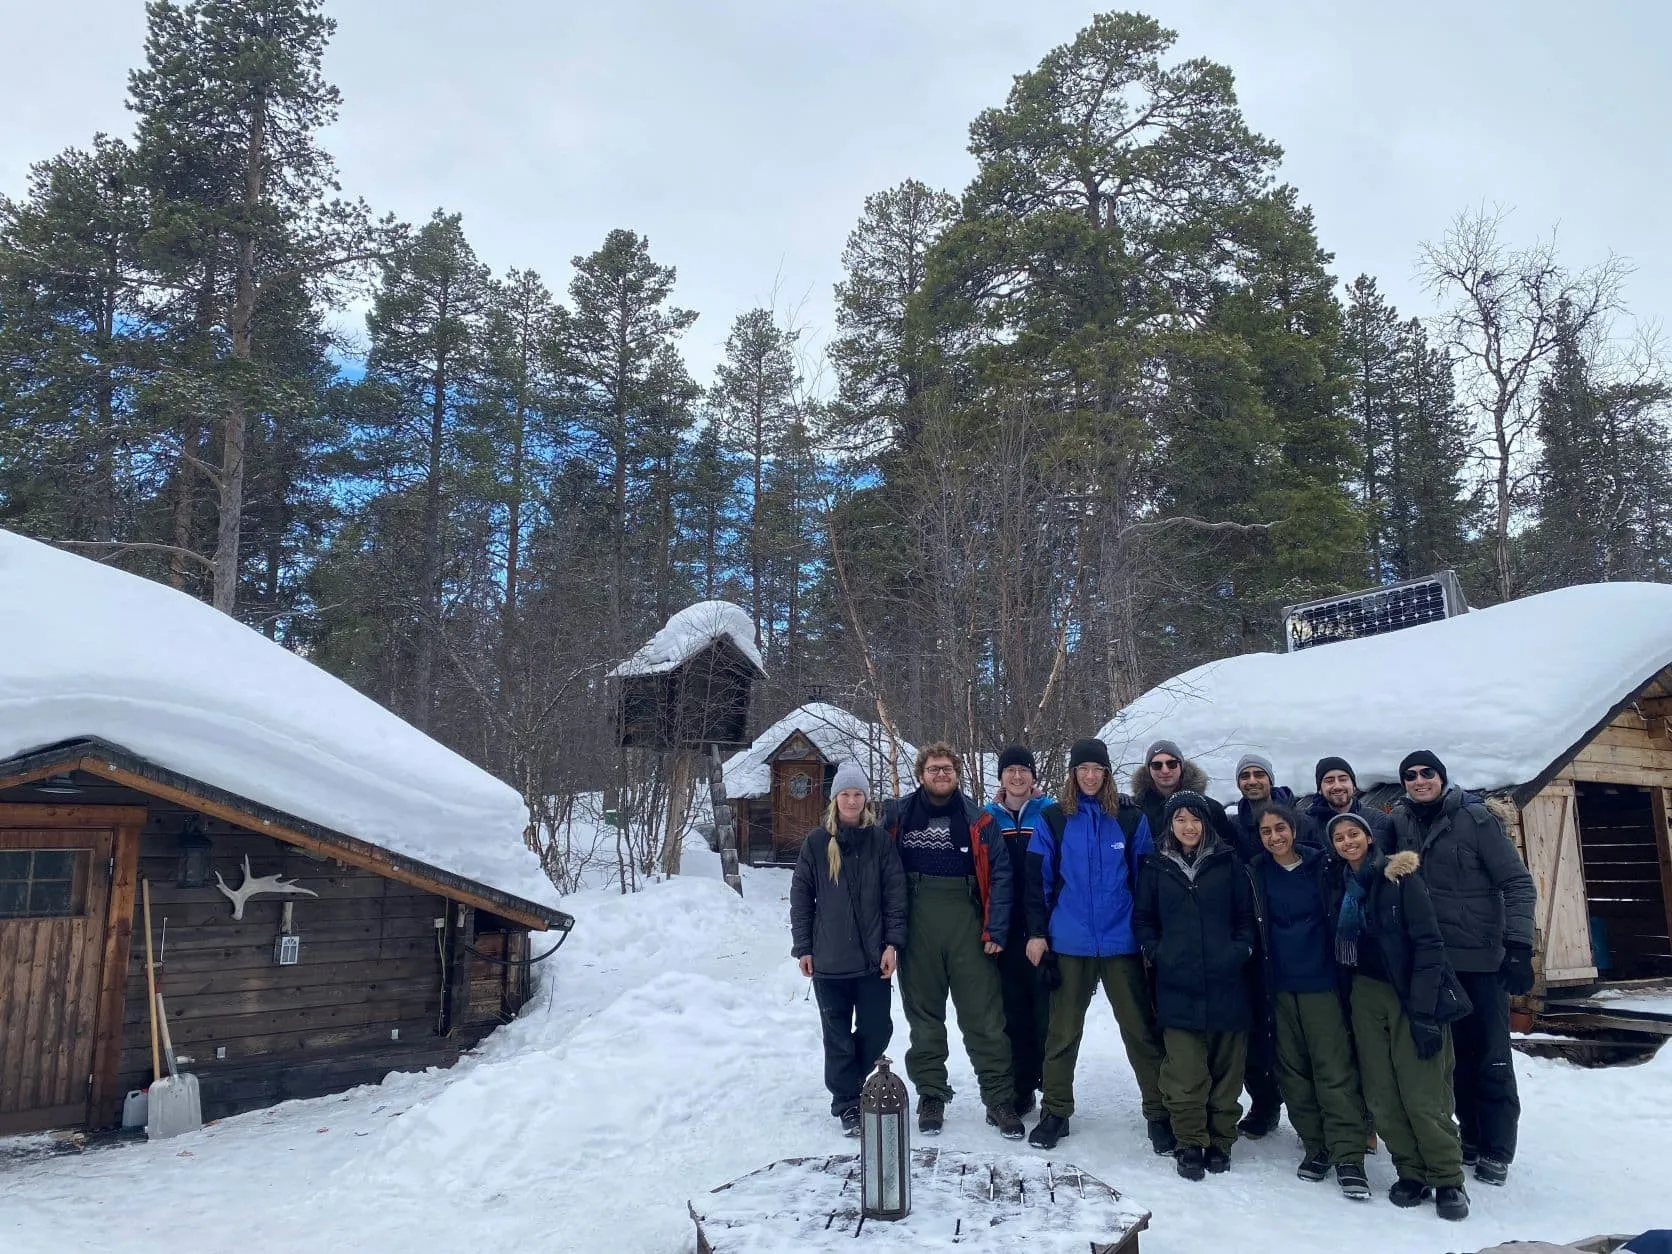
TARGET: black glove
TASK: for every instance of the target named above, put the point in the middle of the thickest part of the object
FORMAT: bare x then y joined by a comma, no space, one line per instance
1427,1036
1050,974
1517,969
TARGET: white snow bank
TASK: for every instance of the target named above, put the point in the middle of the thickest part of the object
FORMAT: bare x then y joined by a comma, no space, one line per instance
90,651
688,633
1500,694
840,736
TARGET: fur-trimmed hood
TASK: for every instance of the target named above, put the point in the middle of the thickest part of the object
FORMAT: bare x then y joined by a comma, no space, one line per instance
1191,779
1401,864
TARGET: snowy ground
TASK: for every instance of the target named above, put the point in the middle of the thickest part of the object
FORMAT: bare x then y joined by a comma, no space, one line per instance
673,1050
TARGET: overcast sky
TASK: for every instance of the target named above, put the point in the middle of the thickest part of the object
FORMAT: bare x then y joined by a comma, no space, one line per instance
742,136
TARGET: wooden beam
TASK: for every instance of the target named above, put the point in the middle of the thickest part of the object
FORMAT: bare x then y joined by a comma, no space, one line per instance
95,817
354,852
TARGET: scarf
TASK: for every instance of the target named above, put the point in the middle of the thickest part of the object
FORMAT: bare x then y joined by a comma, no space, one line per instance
1351,923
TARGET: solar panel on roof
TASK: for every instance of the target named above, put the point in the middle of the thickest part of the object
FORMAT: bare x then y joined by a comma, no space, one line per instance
1373,612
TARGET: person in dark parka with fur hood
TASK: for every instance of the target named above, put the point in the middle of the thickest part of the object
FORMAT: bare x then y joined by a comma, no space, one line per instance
848,928
1194,918
1402,995
1165,771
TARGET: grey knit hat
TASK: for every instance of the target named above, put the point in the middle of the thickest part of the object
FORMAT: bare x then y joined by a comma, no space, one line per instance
1254,759
848,775
1162,746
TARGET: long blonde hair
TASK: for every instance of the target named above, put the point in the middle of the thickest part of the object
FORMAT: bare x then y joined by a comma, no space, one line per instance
833,824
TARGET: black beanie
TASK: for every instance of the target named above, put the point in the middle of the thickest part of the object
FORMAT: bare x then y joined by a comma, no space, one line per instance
1187,800
1423,757
1326,765
1089,750
1017,755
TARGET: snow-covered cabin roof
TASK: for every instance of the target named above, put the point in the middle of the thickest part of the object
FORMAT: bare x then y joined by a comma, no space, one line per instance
91,652
840,736
687,634
1501,694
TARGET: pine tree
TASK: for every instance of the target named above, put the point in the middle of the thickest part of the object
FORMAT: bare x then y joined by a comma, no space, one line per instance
1430,510
620,325
1372,346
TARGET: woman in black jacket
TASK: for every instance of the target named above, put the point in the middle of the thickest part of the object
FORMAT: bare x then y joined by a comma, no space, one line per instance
1389,946
1314,1045
848,926
1194,918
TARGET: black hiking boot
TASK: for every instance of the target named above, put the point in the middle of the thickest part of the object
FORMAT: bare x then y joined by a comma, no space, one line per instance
1491,1170
1314,1167
1451,1202
1353,1182
1161,1137
1257,1123
1216,1160
850,1121
1190,1162
1023,1105
1408,1193
1048,1131
1002,1115
1471,1155
931,1114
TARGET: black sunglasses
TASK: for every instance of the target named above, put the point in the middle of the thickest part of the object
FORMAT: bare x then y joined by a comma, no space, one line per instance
1165,764
1421,772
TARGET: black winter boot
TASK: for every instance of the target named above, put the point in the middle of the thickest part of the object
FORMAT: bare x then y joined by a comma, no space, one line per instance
1258,1123
1353,1182
1024,1103
1161,1137
1315,1166
1190,1162
1491,1170
1451,1203
931,1114
1408,1193
1002,1116
1049,1130
1216,1160
850,1121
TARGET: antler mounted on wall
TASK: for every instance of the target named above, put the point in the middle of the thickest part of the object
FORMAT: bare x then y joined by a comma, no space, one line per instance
252,886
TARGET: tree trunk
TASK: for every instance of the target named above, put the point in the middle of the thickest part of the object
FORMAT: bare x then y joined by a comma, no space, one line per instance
429,624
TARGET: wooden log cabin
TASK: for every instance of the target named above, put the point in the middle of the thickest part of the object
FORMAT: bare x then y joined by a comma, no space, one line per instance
780,784
1557,709
393,965
334,894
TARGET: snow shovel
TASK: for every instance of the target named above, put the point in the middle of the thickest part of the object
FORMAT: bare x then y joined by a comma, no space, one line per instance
174,1104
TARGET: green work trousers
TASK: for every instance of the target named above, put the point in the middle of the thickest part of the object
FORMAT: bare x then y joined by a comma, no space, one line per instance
944,955
1127,989
1409,1097
1318,1076
1201,1079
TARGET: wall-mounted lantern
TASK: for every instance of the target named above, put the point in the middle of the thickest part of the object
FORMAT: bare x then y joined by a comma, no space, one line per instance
192,866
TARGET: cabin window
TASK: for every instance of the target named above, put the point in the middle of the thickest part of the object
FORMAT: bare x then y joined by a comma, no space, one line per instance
43,883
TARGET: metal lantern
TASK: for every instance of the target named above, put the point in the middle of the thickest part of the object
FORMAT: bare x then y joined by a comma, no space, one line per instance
884,1145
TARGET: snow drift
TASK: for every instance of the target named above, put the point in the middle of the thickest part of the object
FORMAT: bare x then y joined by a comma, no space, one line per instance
89,651
1500,694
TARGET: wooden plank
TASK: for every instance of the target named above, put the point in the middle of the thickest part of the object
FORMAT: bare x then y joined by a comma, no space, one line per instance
286,1003
1648,759
197,958
310,1039
12,961
22,815
105,1102
1596,772
1661,800
1549,821
218,980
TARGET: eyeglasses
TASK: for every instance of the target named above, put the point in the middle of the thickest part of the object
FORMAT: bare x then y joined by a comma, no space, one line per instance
1420,772
1165,764
940,770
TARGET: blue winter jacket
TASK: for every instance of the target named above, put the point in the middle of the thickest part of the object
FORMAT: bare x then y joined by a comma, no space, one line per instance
1017,831
1091,916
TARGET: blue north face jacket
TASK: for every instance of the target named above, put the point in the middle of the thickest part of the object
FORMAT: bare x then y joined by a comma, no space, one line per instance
1089,889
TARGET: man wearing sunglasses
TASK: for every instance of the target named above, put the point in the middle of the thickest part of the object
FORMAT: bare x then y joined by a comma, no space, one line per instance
1483,898
1165,771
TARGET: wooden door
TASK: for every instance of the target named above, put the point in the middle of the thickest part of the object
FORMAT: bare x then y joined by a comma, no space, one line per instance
54,904
798,804
1550,827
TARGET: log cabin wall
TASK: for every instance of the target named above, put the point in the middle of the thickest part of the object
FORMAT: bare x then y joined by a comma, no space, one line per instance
378,987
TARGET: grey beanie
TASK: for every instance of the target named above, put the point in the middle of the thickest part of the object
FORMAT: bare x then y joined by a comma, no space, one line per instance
848,775
1254,759
1163,746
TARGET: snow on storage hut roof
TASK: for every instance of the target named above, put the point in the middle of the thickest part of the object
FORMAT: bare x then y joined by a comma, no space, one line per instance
87,651
1501,694
688,633
840,736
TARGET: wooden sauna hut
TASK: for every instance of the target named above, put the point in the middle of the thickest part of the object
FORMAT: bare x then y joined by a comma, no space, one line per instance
1557,709
334,895
780,784
689,686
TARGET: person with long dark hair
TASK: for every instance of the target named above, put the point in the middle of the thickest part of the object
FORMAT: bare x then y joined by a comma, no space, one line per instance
848,926
1388,943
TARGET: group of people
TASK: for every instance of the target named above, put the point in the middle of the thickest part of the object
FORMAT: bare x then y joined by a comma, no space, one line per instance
1353,965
